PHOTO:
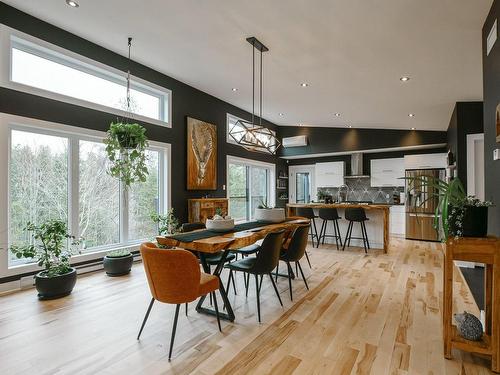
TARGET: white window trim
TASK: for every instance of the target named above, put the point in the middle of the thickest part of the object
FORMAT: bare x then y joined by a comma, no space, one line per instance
6,36
256,163
9,122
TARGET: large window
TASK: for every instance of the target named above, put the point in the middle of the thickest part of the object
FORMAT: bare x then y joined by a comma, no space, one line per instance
232,124
68,77
249,184
61,175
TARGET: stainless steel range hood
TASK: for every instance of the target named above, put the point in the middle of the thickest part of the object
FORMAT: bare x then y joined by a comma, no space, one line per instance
357,166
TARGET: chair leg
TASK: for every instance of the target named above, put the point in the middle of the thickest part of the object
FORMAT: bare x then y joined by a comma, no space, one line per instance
302,273
321,232
308,261
275,289
350,233
258,296
260,284
315,233
290,280
347,235
146,317
363,234
228,283
186,309
296,269
338,231
367,241
234,284
247,284
277,269
335,233
173,331
216,310
324,231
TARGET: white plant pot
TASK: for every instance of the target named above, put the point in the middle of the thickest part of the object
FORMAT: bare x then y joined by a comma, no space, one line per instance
270,215
224,225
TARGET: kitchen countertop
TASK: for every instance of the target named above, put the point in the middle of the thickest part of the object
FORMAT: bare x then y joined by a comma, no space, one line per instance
370,206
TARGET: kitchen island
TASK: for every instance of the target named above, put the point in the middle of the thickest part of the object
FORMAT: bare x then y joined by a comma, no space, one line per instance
377,227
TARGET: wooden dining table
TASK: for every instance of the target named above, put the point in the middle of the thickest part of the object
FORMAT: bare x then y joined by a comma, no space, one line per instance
225,243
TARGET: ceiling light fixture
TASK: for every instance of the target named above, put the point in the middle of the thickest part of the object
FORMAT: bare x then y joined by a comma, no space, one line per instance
281,114
336,114
349,126
251,135
304,84
234,89
404,79
411,115
413,128
72,3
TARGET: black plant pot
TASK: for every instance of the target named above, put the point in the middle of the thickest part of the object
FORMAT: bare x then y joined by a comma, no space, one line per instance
474,223
56,286
118,266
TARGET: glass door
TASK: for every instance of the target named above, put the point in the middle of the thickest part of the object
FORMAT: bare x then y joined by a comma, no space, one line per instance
302,187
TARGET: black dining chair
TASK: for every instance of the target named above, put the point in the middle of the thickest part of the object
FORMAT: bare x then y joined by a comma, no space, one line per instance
356,215
330,214
294,253
263,264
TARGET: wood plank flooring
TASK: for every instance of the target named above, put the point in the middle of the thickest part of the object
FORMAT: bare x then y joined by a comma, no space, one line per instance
364,314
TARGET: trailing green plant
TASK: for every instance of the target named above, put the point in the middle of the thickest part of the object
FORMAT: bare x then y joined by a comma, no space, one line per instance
167,224
219,211
48,246
126,149
451,196
120,253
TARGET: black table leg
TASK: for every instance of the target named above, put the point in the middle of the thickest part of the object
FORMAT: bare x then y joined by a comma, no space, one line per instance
205,310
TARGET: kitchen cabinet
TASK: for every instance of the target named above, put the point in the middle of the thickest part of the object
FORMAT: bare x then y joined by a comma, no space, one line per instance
397,218
330,174
387,172
426,161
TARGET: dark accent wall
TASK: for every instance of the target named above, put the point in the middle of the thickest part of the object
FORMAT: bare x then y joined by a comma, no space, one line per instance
324,140
467,118
186,101
491,98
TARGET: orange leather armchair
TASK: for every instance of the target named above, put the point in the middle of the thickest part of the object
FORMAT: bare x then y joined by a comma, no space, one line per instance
174,277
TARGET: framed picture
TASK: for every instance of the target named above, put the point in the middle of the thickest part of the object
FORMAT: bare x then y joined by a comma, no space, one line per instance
201,155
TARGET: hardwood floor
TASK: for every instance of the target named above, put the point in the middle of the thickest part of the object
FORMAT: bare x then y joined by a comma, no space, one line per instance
364,314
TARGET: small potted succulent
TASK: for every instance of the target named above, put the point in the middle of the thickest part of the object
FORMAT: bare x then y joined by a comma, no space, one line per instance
118,262
49,247
265,213
126,149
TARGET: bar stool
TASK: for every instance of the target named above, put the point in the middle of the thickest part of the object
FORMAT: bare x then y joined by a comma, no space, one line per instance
308,213
357,215
329,214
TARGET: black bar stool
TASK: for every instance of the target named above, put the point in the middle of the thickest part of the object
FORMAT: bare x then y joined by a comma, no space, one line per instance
308,213
356,215
329,214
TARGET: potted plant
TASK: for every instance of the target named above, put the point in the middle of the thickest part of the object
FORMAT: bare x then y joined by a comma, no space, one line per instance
48,246
456,213
268,214
118,262
126,149
167,224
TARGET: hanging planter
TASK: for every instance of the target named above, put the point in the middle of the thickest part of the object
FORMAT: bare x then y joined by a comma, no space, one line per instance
126,148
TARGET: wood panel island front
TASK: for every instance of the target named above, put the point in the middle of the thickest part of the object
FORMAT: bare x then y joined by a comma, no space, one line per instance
377,227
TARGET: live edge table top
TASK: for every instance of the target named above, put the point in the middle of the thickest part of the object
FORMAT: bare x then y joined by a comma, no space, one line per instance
231,241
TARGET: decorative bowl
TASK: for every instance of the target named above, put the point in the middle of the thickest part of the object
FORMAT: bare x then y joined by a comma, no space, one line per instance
224,225
270,215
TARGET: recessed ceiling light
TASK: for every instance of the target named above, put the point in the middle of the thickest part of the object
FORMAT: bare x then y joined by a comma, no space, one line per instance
72,3
281,114
413,128
336,114
234,89
304,84
349,126
411,115
404,79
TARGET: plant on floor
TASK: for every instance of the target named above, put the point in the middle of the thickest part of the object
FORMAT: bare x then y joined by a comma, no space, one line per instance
126,149
167,224
454,206
118,262
118,253
50,248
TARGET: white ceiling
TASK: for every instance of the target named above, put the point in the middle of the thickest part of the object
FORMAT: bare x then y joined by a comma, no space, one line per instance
351,52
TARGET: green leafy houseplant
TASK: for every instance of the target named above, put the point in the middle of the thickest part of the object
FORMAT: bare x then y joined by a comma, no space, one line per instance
118,253
452,202
48,247
167,224
126,149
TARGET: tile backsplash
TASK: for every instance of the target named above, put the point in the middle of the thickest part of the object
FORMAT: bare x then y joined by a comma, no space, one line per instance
359,189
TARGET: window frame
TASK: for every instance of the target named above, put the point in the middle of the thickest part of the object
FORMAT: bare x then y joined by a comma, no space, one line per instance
271,187
10,38
74,135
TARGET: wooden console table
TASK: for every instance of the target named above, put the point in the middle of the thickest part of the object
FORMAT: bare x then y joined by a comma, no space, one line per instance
201,209
479,250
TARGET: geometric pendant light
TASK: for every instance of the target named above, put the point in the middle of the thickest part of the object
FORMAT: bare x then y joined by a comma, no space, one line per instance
248,134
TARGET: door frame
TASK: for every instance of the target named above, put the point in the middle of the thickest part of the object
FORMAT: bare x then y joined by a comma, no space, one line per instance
292,171
471,181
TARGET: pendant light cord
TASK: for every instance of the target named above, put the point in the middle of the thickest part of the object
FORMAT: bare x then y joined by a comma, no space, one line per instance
253,82
260,87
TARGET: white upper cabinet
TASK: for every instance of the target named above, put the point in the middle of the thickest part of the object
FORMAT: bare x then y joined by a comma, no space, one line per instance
387,172
330,174
425,161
